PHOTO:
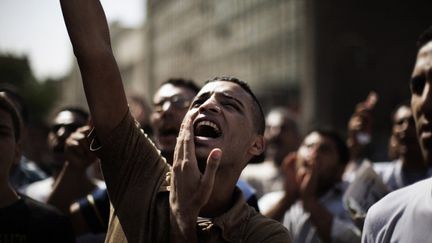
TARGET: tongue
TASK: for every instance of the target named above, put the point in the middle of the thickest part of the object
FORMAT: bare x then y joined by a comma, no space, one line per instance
206,131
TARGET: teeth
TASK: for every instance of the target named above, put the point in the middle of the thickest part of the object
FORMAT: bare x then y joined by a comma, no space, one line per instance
210,124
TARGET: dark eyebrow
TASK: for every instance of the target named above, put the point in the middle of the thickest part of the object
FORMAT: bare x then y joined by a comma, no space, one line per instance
228,96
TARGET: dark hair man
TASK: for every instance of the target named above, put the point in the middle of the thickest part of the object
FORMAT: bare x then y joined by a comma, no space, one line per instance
21,218
25,171
405,215
311,205
170,104
408,165
66,121
219,135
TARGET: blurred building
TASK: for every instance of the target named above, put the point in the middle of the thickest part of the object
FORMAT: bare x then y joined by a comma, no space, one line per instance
256,40
357,46
316,57
129,46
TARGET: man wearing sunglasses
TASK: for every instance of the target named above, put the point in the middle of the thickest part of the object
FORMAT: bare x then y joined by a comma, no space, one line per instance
66,121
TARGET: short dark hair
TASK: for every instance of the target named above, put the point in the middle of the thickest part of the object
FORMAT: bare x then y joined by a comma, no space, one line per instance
184,83
341,146
14,96
259,119
424,38
286,114
7,105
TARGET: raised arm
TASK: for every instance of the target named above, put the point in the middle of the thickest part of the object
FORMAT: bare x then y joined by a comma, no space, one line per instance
88,30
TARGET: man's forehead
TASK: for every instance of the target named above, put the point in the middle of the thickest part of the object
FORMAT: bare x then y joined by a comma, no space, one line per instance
226,88
68,117
424,56
403,112
317,138
169,90
313,138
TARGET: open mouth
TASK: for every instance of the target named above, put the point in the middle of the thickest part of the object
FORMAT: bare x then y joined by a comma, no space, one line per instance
207,129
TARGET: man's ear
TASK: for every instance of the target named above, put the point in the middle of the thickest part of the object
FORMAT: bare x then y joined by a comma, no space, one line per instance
258,146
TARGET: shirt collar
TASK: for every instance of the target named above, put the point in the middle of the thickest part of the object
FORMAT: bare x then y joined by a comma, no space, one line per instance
231,223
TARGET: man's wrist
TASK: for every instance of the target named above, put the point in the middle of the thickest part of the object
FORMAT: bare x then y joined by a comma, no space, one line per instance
183,227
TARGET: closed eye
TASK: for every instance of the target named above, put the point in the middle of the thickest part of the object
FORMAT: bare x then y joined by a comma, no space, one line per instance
230,105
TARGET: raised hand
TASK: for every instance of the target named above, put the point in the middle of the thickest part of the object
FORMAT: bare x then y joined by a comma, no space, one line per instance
73,183
307,178
291,185
361,119
77,150
360,125
190,189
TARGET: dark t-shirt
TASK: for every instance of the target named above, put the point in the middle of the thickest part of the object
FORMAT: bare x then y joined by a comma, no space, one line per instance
30,221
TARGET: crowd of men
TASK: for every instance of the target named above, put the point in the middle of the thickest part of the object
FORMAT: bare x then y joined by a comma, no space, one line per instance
205,164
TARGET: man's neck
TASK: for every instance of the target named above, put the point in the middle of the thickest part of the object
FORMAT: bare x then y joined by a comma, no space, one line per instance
413,163
221,199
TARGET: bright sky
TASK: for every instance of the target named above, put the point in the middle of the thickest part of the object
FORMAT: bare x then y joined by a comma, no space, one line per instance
35,28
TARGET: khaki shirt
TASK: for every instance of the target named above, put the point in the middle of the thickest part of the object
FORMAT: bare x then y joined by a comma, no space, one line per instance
137,180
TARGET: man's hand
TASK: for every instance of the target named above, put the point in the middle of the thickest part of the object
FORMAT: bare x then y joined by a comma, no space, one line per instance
78,154
291,185
72,182
291,188
307,178
190,190
360,125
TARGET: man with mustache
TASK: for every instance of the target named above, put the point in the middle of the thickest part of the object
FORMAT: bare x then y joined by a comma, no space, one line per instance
66,121
197,199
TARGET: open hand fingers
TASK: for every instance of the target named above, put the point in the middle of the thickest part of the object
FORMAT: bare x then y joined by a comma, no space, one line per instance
289,164
185,146
188,142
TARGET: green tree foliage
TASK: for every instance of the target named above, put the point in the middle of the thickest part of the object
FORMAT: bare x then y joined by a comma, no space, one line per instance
39,96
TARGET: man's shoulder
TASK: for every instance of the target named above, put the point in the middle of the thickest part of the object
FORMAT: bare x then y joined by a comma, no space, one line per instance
41,211
398,210
395,203
403,197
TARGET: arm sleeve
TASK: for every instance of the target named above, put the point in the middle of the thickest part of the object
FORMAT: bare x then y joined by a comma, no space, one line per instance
134,172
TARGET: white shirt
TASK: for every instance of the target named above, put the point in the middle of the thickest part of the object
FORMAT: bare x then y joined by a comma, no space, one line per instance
392,175
41,190
404,216
264,177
